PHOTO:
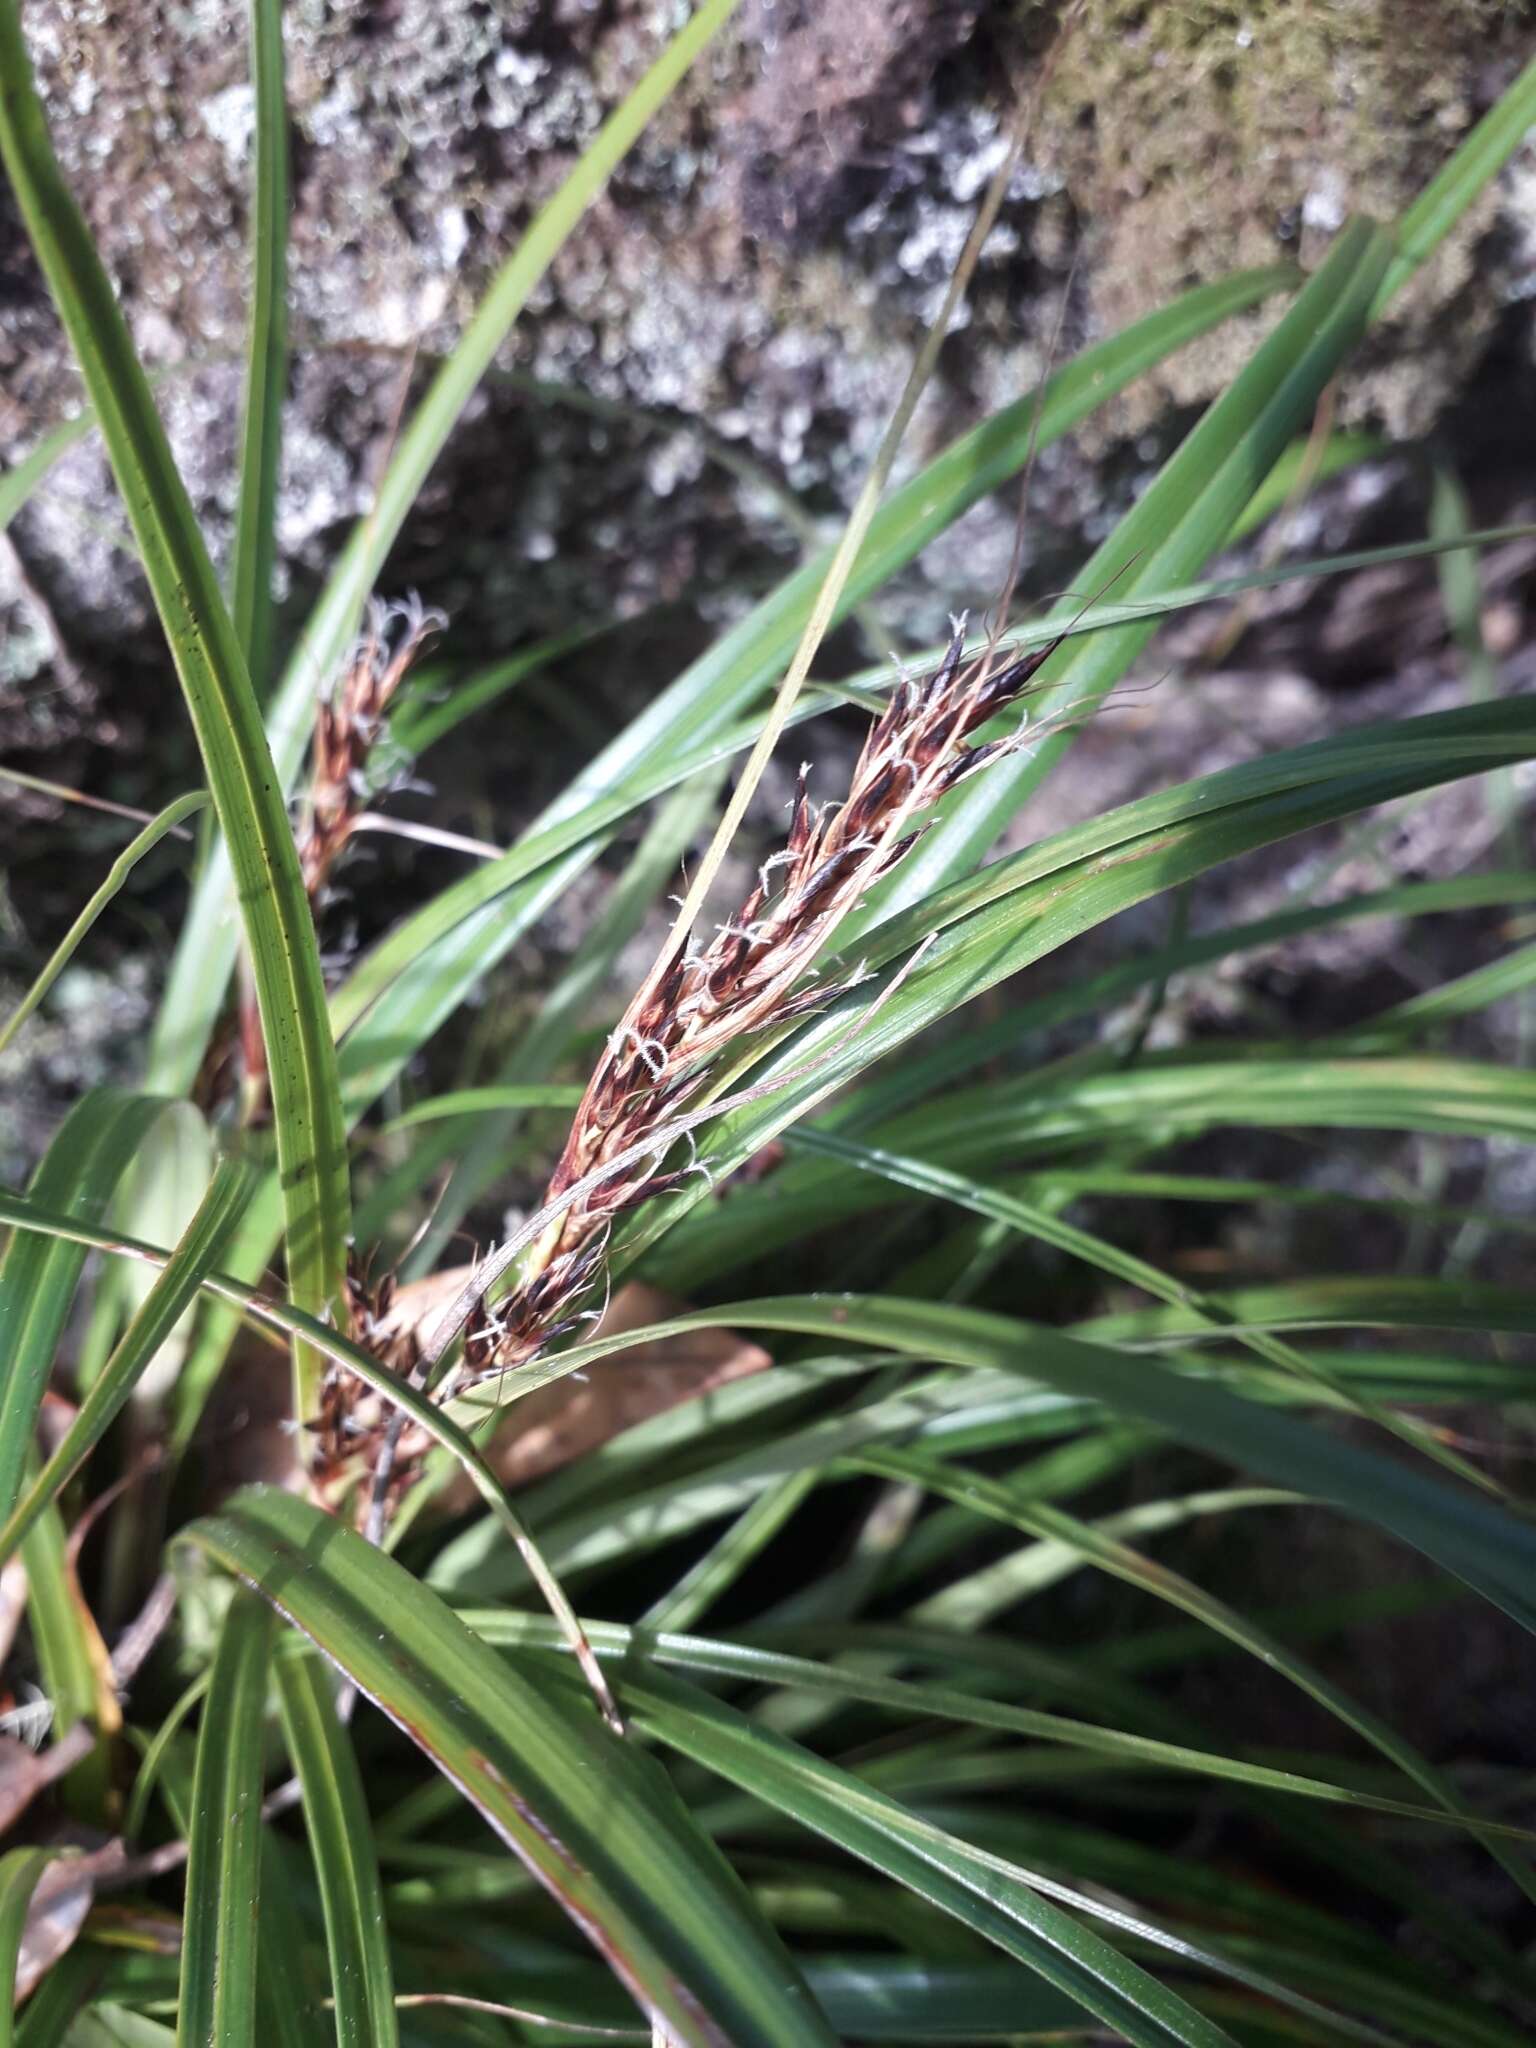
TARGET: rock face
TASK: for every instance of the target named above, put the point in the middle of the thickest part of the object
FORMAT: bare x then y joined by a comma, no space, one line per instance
762,262
701,380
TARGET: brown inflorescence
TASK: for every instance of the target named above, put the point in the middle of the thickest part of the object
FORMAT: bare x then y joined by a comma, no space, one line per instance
347,729
354,1421
750,977
349,724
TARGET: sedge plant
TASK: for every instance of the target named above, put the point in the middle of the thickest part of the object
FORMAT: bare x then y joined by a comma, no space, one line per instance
772,1719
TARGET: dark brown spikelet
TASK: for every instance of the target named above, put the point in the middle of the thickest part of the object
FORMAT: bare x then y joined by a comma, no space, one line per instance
354,1421
753,974
348,726
349,722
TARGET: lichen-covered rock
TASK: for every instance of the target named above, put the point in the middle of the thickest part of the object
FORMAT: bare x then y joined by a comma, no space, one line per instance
767,254
733,318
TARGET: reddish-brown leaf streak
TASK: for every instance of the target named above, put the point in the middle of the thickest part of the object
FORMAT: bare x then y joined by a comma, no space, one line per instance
525,1813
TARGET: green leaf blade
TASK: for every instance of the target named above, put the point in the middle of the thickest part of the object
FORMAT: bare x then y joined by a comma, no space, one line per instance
341,1840
216,2007
589,1815
266,375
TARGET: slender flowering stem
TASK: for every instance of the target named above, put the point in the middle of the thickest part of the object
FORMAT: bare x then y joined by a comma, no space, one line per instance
754,973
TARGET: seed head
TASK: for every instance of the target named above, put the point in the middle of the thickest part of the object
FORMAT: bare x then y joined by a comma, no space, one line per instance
752,975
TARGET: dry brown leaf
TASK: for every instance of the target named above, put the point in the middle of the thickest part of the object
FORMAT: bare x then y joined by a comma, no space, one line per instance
57,1912
26,1772
564,1421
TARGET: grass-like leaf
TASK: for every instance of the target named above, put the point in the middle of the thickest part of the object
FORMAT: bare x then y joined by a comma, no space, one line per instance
1491,1551
247,794
1032,1220
1180,520
1030,1120
341,1842
1459,182
978,1891
266,373
590,1815
90,1153
165,821
219,1941
1101,1545
174,1291
751,1664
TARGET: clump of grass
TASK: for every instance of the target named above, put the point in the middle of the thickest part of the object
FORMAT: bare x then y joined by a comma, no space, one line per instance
982,1786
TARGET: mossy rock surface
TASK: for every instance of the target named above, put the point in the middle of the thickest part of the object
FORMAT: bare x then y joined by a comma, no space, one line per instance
1197,136
766,256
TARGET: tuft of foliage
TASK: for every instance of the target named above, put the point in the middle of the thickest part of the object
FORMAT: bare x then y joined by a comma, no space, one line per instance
827,1694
